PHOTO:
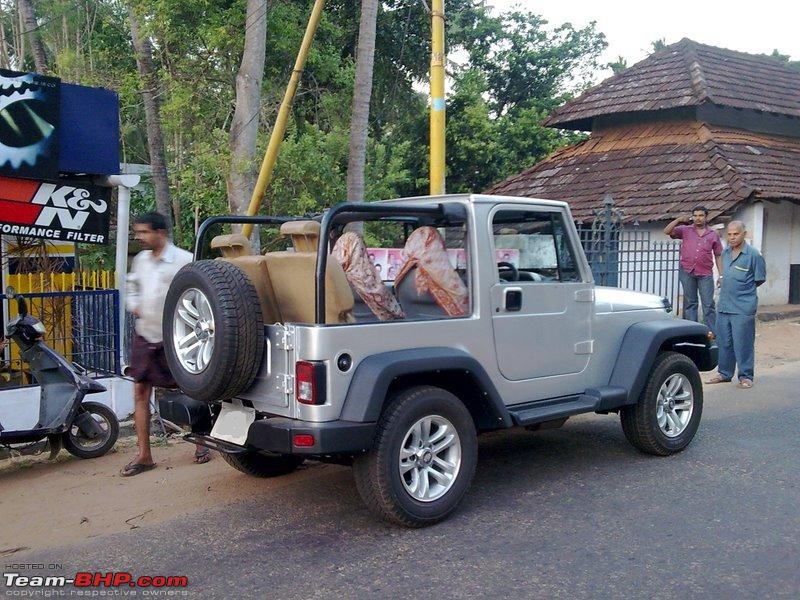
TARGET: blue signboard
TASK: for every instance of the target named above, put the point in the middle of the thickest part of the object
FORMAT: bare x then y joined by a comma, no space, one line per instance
89,139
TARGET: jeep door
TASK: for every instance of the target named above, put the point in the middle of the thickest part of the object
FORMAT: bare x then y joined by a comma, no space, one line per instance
542,301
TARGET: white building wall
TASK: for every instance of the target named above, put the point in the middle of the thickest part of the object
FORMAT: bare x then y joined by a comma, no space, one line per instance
779,238
775,241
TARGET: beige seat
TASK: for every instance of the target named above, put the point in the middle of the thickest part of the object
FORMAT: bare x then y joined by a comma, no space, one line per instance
293,275
235,248
255,267
285,280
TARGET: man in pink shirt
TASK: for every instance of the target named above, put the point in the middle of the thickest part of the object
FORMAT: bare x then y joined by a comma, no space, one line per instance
700,249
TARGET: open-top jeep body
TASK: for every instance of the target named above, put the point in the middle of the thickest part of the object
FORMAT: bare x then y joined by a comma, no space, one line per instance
294,364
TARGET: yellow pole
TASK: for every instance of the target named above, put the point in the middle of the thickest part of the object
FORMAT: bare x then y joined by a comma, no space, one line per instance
268,164
437,125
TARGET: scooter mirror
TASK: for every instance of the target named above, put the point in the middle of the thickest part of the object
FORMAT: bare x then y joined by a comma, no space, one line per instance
22,306
10,292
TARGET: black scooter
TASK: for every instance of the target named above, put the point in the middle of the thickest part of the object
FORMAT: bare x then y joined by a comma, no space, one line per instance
85,429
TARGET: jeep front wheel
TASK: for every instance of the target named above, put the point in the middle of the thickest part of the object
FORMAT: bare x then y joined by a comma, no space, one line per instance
423,459
667,414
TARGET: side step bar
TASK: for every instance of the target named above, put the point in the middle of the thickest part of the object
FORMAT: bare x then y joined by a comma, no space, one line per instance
592,400
214,444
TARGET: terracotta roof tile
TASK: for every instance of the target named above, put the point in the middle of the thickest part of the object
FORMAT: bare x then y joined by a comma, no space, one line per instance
688,74
653,177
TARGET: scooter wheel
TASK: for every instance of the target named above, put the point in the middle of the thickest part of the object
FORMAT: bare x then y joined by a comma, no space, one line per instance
78,444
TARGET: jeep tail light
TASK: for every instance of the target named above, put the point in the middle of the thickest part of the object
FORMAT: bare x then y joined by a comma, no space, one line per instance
303,440
309,377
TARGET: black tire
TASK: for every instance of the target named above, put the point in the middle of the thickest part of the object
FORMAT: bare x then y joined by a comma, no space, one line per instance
261,465
640,422
238,330
377,472
78,445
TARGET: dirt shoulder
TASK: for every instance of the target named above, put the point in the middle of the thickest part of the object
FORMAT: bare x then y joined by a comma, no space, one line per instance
777,343
47,504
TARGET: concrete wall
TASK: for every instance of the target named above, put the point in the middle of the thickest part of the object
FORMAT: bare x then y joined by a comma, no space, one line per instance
780,245
779,234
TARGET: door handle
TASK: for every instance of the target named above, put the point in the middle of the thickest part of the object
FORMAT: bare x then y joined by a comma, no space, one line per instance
512,299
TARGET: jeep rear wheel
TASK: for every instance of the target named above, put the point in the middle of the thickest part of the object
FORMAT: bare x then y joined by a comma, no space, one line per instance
423,459
213,330
261,465
667,414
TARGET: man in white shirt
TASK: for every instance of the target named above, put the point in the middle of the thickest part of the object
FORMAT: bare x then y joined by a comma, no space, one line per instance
151,274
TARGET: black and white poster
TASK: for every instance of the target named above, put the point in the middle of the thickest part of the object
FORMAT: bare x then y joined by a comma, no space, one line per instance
29,125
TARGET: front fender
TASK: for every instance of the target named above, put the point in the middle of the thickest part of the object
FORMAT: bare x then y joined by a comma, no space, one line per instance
375,374
642,343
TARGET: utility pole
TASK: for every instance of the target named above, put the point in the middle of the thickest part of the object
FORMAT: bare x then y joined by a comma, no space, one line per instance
437,125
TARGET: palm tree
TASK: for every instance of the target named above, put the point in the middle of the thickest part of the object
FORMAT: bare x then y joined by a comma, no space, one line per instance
152,116
244,127
362,92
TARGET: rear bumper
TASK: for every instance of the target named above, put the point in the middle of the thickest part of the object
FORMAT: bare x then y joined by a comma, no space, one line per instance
274,435
332,437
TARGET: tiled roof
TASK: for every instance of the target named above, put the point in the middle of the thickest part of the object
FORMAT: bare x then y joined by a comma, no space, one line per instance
688,74
658,170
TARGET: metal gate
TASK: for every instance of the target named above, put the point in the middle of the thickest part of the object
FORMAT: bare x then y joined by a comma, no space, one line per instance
81,325
627,258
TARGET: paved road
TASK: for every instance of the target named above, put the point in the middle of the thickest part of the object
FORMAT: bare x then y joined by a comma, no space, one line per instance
571,513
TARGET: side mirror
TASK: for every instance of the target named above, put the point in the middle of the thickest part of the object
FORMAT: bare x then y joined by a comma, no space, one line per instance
22,306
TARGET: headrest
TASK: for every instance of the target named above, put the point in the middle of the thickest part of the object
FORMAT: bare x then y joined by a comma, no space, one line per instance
232,245
304,234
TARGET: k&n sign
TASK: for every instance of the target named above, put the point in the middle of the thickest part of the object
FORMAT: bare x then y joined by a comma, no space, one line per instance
66,211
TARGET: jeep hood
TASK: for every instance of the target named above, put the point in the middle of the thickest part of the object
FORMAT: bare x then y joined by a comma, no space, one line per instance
612,299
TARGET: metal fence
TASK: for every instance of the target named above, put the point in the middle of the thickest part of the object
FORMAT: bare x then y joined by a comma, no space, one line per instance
83,326
627,258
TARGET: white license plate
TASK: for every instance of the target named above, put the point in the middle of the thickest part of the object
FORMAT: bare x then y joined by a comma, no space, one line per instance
233,423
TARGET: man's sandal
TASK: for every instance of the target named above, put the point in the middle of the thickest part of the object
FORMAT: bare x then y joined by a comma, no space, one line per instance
745,384
134,468
718,379
202,456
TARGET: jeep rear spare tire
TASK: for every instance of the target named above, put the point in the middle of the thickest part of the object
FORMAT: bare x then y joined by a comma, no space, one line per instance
213,330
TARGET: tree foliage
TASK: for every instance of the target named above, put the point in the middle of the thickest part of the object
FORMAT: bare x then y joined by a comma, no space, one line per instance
506,73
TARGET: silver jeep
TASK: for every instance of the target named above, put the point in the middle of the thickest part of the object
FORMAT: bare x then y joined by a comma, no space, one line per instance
281,360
